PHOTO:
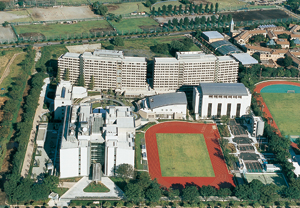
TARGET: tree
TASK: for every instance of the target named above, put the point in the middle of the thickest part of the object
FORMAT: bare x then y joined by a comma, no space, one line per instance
118,41
2,5
223,193
39,192
217,7
66,75
58,75
180,9
207,191
169,23
51,182
164,9
241,191
213,19
197,21
134,192
229,17
190,194
175,22
125,171
148,3
92,82
203,20
224,119
211,8
5,24
186,21
81,81
288,61
176,46
153,11
107,204
191,8
172,193
175,10
180,23
161,48
206,8
196,9
200,8
292,193
153,193
158,11
144,180
170,7
99,8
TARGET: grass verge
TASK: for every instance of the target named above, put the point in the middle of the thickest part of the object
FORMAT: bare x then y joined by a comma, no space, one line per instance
96,187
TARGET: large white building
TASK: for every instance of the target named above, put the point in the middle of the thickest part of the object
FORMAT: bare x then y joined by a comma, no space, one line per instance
91,137
110,69
213,100
191,68
164,106
65,94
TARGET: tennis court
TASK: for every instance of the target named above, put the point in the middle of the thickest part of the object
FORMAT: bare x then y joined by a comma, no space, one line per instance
254,167
267,178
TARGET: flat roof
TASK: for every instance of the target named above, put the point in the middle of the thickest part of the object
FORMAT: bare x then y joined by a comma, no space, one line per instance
166,60
213,34
244,58
237,89
72,55
176,98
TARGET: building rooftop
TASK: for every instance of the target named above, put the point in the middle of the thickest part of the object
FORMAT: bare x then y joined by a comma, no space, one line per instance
213,35
235,89
63,90
176,98
189,55
166,60
244,58
71,55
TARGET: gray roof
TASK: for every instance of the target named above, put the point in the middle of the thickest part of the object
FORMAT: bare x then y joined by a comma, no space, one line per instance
235,89
175,98
213,34
244,58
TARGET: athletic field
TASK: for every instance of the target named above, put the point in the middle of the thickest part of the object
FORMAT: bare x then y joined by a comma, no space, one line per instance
184,155
284,107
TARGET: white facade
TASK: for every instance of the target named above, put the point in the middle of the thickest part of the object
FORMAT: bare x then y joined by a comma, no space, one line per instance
65,93
213,100
164,106
110,69
191,68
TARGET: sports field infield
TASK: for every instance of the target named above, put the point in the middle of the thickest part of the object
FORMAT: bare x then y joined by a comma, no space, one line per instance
285,111
183,155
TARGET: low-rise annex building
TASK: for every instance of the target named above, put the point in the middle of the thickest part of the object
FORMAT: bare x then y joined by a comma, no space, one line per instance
164,106
214,100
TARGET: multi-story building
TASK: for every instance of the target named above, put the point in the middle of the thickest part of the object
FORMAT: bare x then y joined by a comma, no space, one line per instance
91,137
191,68
213,100
110,69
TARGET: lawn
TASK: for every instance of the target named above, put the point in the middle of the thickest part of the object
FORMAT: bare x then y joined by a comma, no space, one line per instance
127,8
135,24
15,71
285,111
96,187
225,4
60,191
183,155
4,59
173,3
138,152
63,30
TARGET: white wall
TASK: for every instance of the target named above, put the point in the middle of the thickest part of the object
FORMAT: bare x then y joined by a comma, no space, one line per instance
59,105
85,161
69,162
109,161
125,156
171,109
245,102
196,100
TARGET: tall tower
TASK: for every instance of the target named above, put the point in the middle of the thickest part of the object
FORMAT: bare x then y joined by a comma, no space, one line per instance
231,26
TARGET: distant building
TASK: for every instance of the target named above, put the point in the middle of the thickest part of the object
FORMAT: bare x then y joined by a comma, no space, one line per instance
244,58
213,100
283,42
191,68
212,36
164,106
110,69
271,168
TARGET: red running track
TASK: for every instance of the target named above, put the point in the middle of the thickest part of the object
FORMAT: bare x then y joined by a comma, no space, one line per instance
267,113
222,177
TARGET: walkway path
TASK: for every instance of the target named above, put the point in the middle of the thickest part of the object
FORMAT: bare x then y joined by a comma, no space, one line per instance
7,70
30,147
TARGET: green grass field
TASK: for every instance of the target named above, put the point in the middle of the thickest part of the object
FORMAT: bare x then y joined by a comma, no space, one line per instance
184,155
285,111
267,178
64,29
127,8
173,3
96,187
135,24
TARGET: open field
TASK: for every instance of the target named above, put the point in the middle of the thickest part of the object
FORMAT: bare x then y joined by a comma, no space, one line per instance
7,34
184,155
225,4
135,24
127,8
268,178
221,178
4,59
285,111
258,15
15,71
173,3
57,30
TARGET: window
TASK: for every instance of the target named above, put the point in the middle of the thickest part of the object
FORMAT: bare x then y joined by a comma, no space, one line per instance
238,110
219,110
228,110
209,110
210,96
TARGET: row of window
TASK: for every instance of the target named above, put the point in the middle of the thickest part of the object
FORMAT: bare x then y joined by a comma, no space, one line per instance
224,96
